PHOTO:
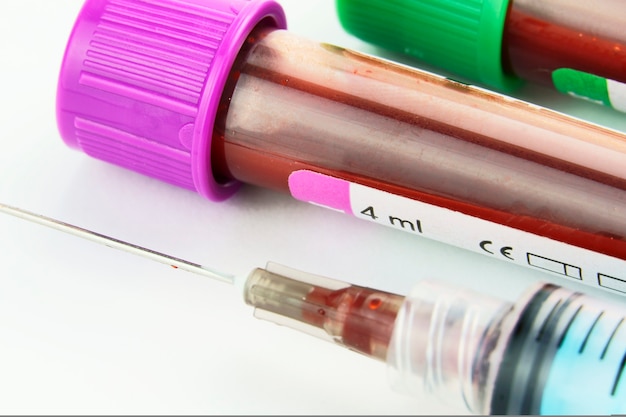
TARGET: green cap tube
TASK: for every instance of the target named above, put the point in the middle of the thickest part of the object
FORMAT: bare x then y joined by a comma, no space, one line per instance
460,36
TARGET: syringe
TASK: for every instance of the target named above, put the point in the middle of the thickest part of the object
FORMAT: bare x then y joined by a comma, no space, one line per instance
486,355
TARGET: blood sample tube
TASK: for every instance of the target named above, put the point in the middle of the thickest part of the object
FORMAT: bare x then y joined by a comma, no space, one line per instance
579,48
211,94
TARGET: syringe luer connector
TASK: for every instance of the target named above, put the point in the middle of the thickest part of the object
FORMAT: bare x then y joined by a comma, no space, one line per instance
479,353
211,94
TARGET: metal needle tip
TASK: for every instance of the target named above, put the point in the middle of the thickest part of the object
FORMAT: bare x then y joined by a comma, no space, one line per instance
117,244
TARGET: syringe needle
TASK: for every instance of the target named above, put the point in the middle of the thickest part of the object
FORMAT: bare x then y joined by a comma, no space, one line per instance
476,337
117,244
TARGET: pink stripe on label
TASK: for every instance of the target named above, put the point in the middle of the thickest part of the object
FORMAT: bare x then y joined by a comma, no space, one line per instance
321,189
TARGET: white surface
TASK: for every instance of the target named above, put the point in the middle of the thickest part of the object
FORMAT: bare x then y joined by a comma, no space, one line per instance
88,329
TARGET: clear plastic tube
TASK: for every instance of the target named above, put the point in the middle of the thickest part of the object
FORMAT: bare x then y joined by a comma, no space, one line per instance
587,37
183,94
296,105
577,48
206,105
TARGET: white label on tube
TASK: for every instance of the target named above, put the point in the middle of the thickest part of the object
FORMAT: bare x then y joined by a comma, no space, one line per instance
461,230
617,95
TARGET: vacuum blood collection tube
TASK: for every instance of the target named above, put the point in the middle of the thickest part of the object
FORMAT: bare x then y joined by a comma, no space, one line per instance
209,94
577,47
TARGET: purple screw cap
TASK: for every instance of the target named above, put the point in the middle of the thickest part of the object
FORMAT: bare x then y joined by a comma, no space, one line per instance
141,82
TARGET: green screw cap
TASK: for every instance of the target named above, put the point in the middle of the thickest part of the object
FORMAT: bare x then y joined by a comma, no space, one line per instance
460,36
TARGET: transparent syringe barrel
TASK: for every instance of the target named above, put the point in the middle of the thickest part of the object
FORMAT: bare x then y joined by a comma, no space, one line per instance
553,352
447,343
294,104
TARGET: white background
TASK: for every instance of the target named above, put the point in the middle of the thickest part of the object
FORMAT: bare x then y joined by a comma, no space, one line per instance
88,329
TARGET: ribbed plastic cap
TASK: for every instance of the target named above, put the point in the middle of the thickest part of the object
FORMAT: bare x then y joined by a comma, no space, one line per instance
460,36
141,82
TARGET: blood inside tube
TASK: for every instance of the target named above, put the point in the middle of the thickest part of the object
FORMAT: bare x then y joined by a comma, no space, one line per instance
536,44
300,105
362,319
358,318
